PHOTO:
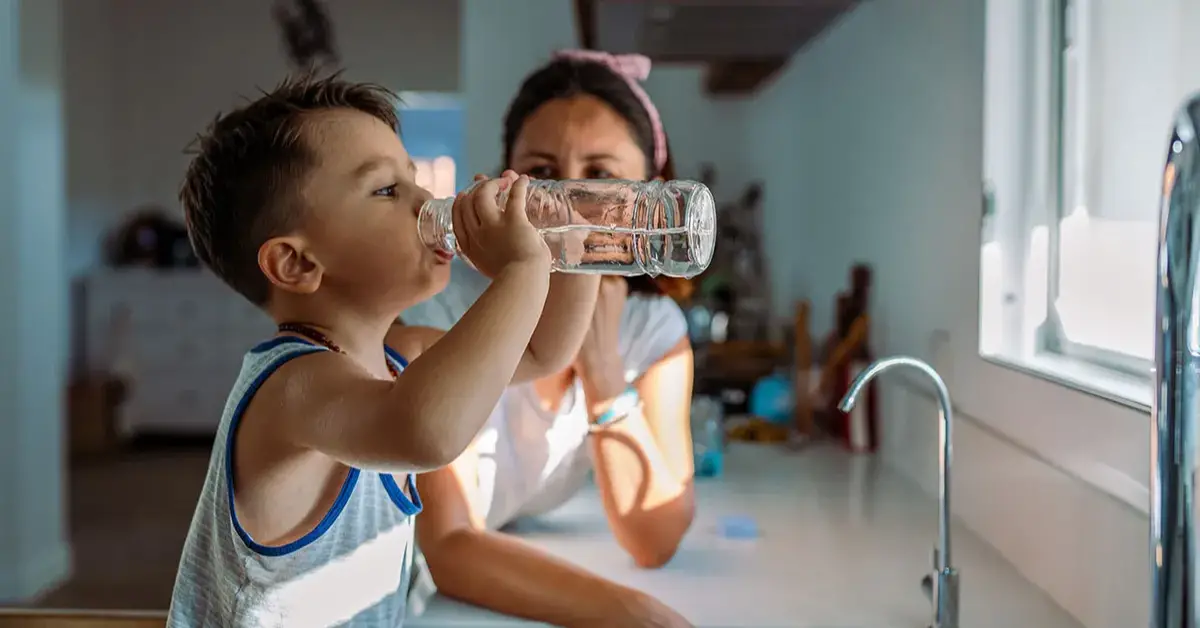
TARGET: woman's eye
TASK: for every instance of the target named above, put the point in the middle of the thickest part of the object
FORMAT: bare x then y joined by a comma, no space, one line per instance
600,173
389,191
541,172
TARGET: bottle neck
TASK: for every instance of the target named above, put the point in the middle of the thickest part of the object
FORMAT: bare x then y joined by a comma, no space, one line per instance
435,225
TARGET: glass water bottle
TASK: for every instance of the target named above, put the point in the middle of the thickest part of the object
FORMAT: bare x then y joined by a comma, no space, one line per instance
607,226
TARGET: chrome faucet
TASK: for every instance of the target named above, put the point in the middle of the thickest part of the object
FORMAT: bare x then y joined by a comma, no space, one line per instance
1173,445
944,580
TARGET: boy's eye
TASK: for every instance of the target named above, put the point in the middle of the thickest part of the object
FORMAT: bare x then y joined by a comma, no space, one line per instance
389,191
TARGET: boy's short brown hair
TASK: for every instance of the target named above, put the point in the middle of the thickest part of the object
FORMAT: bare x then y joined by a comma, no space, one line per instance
241,188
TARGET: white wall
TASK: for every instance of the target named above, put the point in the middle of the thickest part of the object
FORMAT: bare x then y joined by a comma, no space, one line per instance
144,76
701,129
871,147
34,552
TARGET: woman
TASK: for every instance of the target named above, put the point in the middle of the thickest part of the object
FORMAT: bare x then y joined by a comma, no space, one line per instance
583,116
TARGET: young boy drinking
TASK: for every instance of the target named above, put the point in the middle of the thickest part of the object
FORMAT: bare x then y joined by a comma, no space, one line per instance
304,201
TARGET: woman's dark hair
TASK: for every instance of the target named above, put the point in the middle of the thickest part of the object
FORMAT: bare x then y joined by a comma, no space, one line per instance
566,78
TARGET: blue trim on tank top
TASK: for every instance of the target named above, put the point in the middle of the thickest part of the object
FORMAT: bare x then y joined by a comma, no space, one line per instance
393,354
407,506
343,496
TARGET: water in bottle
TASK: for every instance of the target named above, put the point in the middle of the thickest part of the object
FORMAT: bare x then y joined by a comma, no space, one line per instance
610,227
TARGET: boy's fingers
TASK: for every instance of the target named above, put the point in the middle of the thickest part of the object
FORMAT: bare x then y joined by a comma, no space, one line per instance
515,209
462,218
485,201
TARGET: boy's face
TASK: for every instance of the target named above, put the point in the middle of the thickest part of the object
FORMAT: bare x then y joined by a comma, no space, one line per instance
363,201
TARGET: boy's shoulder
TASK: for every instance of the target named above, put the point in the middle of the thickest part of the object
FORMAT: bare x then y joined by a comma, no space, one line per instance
264,359
269,367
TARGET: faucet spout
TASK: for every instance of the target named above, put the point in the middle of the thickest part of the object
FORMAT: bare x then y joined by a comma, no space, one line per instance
945,581
1173,446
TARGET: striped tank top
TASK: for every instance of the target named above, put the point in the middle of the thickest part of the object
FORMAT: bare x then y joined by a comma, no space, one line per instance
353,569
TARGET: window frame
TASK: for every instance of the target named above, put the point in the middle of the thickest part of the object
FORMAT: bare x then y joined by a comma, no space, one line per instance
1069,36
1043,349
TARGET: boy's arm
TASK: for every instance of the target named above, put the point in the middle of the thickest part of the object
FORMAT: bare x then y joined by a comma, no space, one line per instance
505,574
430,414
555,341
565,321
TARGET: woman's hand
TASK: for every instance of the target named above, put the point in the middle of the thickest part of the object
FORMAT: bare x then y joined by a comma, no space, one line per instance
599,362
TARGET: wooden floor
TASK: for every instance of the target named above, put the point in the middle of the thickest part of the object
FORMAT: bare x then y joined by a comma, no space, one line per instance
129,516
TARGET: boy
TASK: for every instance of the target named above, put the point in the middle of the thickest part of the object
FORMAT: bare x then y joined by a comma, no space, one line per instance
304,201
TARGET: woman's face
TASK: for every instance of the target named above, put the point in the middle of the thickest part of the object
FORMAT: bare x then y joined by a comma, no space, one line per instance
577,138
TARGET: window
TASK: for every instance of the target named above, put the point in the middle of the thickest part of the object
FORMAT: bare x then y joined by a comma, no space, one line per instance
1079,99
436,175
431,125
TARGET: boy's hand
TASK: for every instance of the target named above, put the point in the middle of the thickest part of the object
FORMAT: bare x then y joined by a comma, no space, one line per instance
493,238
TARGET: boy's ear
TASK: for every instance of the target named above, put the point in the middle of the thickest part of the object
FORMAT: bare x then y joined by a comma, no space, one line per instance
289,265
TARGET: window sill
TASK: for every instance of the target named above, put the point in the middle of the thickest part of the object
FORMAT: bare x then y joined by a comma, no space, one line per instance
1112,477
1091,470
1120,388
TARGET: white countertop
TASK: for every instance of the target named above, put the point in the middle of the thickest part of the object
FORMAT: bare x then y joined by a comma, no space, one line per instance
843,543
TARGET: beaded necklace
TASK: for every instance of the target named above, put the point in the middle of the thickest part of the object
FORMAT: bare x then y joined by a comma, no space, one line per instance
320,338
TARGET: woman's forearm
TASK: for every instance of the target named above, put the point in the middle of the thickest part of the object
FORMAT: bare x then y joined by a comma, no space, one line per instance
649,509
646,489
504,574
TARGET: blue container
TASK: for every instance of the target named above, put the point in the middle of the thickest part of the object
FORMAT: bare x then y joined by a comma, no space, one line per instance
708,436
772,399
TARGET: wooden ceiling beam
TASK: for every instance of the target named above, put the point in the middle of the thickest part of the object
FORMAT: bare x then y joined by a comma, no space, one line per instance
585,23
742,77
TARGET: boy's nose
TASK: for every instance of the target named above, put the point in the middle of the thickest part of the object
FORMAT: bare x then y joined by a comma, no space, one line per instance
424,195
